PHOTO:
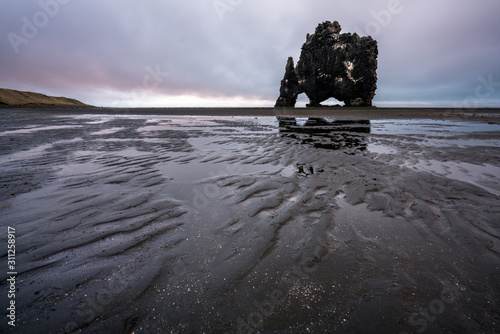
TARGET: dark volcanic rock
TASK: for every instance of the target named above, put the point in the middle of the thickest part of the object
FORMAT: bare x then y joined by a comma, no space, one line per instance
289,86
342,66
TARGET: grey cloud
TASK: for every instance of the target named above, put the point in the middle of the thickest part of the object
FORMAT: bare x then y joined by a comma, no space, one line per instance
429,51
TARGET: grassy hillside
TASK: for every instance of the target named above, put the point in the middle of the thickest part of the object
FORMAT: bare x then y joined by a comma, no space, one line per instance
15,98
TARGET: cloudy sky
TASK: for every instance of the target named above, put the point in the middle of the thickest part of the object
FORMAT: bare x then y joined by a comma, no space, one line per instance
133,53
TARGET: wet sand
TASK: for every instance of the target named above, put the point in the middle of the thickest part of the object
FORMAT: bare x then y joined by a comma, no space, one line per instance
145,221
352,113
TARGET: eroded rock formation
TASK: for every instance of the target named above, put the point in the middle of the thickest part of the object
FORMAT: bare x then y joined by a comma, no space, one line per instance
289,86
342,66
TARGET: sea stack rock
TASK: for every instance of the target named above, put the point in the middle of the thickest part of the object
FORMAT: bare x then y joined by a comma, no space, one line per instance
342,66
289,86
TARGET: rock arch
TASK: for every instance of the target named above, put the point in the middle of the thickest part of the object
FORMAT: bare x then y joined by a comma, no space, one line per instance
342,66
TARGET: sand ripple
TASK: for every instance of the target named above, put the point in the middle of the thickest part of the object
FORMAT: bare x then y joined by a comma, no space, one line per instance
147,225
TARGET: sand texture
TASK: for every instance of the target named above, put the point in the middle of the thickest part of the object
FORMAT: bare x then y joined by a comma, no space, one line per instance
263,224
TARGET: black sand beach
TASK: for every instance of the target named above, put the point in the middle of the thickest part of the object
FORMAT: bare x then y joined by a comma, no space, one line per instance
377,220
351,113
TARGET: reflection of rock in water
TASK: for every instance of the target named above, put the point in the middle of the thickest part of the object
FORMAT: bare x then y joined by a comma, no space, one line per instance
333,243
324,133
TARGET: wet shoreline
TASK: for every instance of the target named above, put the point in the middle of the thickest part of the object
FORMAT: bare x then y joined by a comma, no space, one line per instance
347,113
148,223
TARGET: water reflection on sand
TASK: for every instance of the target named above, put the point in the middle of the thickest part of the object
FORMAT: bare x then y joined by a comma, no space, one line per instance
326,133
151,224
